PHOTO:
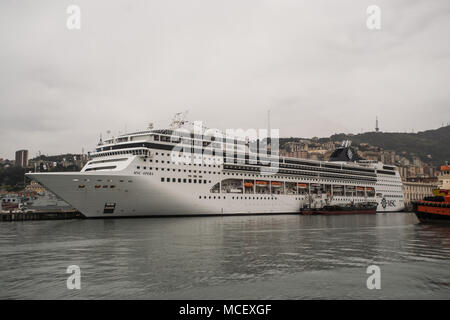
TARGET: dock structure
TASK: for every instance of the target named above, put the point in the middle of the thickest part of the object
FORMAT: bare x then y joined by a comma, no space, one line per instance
40,215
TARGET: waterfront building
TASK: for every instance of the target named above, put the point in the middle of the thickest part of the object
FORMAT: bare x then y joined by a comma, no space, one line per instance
415,190
444,177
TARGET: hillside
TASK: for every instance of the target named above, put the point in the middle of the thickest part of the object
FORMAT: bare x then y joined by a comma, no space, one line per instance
435,143
431,142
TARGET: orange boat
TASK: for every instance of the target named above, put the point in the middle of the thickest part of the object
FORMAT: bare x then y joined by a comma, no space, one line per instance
248,184
433,209
261,183
437,207
302,185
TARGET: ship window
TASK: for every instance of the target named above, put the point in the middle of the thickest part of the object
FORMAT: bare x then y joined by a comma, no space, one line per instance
184,180
190,180
168,179
195,180
138,167
174,180
179,179
162,179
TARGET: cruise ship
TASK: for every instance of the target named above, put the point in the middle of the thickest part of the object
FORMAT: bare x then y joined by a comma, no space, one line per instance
177,171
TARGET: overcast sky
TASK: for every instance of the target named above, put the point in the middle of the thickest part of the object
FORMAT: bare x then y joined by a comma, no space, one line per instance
314,64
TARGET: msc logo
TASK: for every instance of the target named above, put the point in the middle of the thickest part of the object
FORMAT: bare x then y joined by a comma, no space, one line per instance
387,203
384,203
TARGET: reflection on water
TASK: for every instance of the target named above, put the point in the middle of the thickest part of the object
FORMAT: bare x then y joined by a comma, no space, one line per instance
248,257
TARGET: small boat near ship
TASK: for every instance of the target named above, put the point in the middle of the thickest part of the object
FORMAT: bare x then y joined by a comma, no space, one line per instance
369,207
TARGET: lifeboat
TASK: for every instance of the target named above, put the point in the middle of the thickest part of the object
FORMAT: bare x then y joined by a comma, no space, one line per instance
276,184
360,188
261,183
248,184
302,185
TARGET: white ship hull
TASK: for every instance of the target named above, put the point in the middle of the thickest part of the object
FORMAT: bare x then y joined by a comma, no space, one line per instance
145,196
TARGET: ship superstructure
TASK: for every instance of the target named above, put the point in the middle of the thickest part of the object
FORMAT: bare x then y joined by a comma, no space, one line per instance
181,172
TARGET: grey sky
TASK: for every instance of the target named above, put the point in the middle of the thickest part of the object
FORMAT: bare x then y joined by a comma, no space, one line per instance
314,64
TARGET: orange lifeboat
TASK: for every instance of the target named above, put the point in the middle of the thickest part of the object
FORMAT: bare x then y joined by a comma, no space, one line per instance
261,183
276,184
302,185
248,184
360,188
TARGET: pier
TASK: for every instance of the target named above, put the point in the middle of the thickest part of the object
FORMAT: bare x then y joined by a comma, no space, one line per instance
40,215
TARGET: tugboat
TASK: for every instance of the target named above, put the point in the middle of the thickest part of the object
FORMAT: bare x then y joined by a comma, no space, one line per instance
437,207
433,209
